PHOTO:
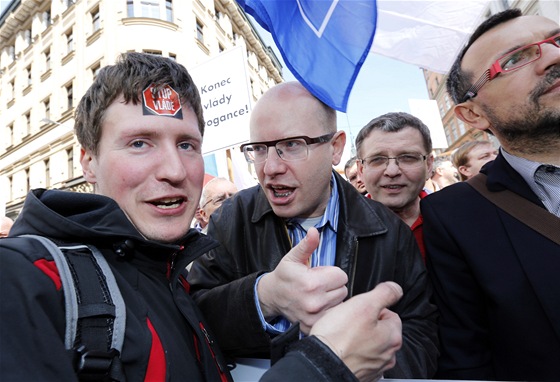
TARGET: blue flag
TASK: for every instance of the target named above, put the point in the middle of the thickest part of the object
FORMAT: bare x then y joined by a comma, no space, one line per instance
323,42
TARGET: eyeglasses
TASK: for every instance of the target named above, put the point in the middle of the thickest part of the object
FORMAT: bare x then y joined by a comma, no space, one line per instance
404,161
510,62
218,200
288,149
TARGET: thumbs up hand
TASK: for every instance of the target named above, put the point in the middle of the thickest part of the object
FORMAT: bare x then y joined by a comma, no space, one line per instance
298,292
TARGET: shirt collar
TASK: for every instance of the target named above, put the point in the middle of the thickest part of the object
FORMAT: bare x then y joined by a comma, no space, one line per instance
525,167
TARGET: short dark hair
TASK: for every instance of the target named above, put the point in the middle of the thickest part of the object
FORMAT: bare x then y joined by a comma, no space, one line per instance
132,73
349,163
458,82
393,122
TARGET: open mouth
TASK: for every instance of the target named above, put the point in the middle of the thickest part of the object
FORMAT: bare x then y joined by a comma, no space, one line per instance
282,192
168,203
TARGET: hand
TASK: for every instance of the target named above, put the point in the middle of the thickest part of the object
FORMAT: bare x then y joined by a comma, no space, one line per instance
297,291
363,332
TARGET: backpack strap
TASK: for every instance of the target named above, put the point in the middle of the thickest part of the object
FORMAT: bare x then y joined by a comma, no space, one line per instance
95,310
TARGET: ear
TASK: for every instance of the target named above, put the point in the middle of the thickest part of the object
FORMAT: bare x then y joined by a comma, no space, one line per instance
360,168
430,164
88,162
465,171
205,218
471,113
338,142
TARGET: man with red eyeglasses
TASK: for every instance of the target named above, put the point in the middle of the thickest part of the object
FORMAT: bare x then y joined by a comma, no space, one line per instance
496,279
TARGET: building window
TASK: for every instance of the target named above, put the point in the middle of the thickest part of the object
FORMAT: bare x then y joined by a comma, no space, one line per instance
47,107
12,89
69,96
69,3
442,110
462,127
11,134
169,10
47,55
130,8
453,130
27,117
27,181
220,48
199,31
173,56
95,20
12,53
47,173
69,41
28,73
448,136
47,21
156,9
95,71
70,156
153,52
27,37
150,9
447,102
10,187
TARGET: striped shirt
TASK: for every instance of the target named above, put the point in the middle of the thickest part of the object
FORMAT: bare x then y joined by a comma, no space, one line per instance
542,178
325,253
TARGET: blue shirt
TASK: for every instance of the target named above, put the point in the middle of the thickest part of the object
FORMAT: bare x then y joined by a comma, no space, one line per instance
325,253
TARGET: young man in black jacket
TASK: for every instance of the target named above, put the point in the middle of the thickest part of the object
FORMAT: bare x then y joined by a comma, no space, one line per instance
140,126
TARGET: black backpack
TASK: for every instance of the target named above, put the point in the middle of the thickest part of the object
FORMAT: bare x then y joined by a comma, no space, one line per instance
95,311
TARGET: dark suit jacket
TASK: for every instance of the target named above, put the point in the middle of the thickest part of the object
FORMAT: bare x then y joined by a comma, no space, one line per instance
496,281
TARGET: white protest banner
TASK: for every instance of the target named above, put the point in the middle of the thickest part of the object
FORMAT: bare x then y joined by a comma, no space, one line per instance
426,33
226,99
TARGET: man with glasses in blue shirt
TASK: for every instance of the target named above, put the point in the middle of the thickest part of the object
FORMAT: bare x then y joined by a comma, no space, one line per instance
261,292
496,279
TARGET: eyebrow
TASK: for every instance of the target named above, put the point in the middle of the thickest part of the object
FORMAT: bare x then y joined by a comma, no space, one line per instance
150,132
553,33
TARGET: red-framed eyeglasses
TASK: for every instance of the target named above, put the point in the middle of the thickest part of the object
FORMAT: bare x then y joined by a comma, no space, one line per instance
511,61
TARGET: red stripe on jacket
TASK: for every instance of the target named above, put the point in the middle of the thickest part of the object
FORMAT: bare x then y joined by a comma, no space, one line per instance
49,268
156,363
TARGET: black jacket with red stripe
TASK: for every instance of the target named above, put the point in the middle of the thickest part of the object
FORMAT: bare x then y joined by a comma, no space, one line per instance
166,338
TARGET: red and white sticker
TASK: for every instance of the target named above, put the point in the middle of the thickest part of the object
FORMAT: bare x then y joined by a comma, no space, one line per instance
164,101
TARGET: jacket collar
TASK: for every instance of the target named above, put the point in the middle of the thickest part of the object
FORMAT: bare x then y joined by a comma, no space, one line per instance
502,176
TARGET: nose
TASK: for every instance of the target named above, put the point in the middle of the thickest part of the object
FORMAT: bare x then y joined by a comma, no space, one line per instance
170,165
550,56
392,168
273,164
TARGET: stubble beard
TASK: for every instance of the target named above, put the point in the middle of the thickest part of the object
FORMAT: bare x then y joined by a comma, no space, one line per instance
533,129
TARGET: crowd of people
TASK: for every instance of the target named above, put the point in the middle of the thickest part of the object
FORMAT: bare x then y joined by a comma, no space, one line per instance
402,270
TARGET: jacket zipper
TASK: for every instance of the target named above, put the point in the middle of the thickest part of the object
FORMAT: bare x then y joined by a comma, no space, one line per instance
210,344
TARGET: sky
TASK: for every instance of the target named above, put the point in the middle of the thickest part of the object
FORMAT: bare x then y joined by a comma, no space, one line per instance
383,85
